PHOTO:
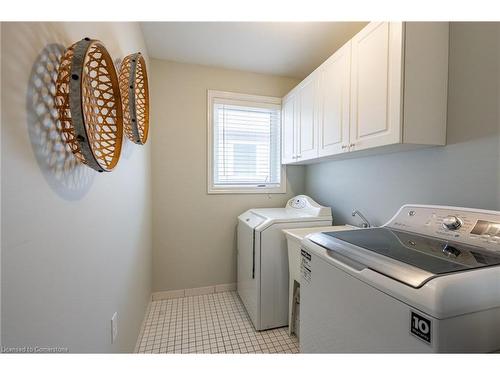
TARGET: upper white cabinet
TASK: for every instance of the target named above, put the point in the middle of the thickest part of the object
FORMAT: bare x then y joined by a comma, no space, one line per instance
333,110
386,89
307,124
376,86
300,122
288,136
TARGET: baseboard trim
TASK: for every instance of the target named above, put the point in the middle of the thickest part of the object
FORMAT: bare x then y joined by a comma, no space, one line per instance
169,294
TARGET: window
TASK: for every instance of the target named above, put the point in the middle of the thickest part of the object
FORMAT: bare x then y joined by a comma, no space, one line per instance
244,154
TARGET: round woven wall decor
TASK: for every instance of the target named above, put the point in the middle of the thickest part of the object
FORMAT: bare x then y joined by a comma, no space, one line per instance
89,104
135,98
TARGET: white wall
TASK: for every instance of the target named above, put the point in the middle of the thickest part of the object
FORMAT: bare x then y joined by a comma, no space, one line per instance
76,245
466,172
194,233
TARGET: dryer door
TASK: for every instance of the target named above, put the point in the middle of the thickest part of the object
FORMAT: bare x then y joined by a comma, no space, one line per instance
248,270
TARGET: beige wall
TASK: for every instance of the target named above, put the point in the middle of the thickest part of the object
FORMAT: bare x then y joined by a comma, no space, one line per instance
193,232
76,245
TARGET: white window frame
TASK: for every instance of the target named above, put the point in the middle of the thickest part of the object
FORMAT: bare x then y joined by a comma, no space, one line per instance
239,99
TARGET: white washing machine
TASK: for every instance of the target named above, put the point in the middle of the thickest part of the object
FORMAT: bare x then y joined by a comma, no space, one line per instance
427,281
263,259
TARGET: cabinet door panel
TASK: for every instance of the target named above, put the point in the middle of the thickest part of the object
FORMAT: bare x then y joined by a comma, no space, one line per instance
376,86
334,103
307,122
288,131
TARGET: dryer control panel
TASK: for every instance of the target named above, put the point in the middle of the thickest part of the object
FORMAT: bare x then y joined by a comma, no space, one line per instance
307,204
297,202
474,227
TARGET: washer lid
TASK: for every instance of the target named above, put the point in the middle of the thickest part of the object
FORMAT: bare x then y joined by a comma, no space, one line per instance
409,258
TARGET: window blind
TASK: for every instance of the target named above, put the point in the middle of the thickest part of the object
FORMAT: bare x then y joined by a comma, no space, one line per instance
246,144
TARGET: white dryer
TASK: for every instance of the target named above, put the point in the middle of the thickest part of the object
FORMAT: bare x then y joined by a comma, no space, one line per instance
263,260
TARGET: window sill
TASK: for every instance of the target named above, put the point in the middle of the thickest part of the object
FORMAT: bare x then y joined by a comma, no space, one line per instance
246,190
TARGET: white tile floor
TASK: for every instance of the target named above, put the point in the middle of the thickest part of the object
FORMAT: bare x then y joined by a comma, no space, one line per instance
211,323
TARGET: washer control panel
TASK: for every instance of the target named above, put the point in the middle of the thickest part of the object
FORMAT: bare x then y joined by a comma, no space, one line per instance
474,227
452,222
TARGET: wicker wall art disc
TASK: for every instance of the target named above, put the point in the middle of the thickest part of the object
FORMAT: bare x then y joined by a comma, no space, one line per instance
89,105
135,98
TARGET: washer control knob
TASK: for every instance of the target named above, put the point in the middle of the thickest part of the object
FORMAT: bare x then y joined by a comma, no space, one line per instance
452,222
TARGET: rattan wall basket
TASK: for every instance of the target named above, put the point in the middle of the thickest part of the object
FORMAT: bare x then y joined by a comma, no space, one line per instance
133,80
89,105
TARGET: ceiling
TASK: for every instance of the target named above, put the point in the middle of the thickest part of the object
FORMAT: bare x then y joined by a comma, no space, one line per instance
292,49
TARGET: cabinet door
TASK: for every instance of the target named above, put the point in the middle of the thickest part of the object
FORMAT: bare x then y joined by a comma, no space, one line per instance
376,85
334,103
307,124
288,130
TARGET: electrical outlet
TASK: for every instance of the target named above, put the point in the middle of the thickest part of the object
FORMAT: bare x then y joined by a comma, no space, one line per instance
114,327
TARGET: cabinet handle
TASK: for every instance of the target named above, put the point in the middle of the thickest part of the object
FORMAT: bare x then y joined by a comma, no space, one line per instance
352,145
344,147
299,155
